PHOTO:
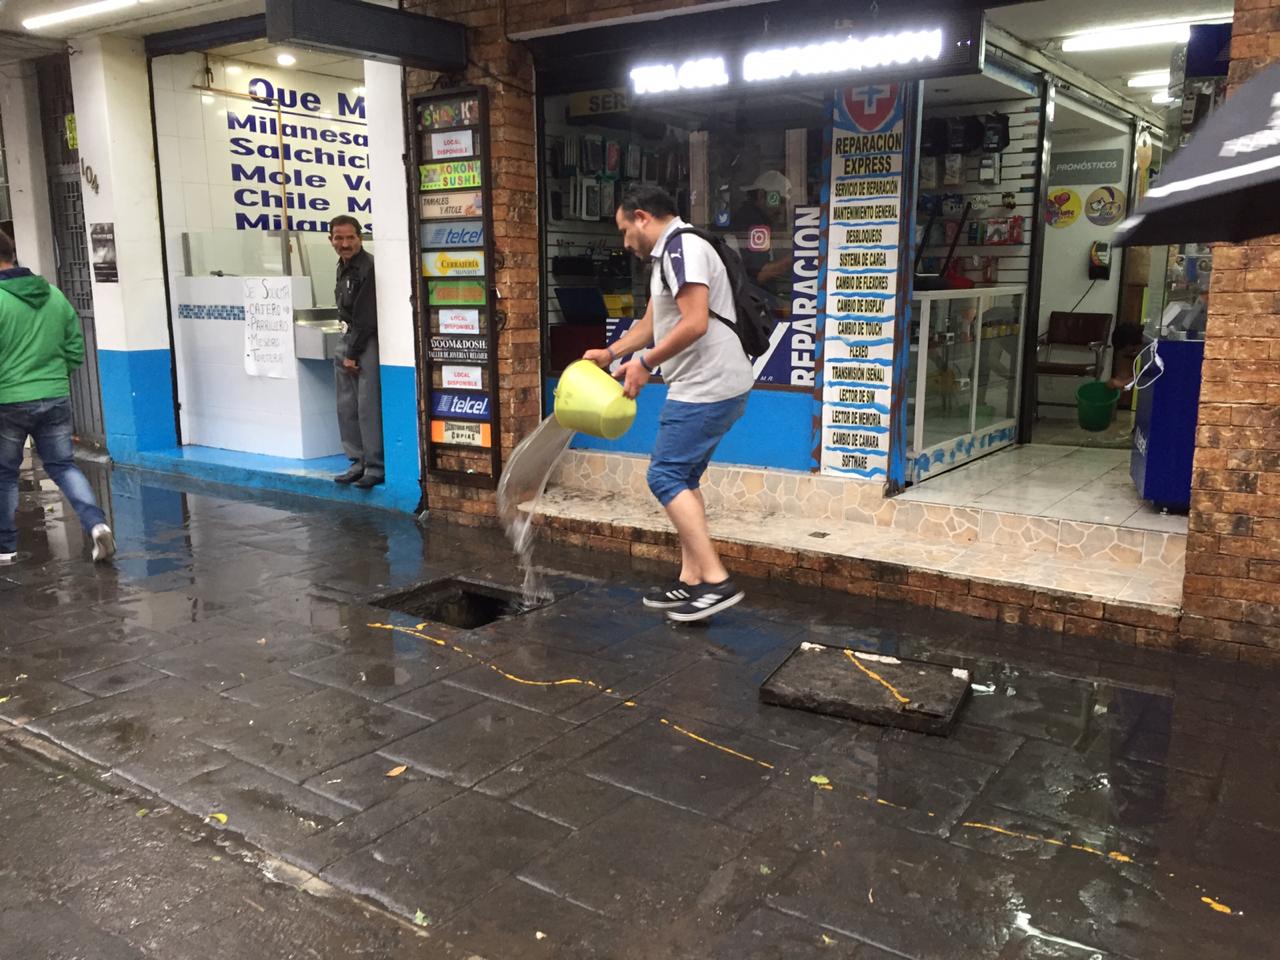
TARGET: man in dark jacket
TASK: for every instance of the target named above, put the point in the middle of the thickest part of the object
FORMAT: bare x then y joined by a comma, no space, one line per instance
358,376
40,344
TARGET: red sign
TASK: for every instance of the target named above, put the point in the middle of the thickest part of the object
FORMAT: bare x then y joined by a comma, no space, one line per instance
870,107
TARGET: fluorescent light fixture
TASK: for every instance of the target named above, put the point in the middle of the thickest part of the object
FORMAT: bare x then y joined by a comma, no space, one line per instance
359,91
1162,98
206,98
1150,81
233,70
76,13
842,56
286,59
1142,35
699,74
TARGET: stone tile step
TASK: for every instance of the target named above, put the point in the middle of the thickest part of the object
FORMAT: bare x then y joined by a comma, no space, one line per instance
1156,589
805,498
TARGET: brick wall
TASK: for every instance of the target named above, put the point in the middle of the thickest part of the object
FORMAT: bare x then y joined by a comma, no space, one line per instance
506,69
1231,595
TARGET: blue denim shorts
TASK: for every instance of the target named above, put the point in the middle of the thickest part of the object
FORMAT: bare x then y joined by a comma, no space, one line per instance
688,434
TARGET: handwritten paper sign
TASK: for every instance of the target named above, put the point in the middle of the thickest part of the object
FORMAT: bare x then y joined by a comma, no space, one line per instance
268,327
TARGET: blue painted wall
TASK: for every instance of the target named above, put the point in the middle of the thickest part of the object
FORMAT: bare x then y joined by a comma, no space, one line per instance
400,434
776,430
137,401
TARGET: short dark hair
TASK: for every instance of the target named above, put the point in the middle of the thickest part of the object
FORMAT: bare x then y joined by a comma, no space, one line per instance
8,251
345,221
648,197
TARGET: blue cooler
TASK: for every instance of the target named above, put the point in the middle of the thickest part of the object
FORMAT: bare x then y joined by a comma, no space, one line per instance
1164,436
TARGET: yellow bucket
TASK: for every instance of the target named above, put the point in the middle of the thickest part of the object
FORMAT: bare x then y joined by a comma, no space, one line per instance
589,400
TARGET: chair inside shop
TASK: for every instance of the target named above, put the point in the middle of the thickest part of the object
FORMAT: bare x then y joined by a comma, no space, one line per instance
1075,345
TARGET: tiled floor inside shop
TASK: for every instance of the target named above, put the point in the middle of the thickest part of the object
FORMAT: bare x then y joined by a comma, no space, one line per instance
1086,485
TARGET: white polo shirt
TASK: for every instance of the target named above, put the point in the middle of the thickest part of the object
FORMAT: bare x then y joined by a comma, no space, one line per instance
713,367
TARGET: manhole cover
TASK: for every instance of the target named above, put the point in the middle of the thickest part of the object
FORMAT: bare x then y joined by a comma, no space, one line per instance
911,694
465,604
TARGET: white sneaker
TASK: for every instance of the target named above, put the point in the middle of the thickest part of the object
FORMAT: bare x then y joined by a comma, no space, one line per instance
104,543
8,557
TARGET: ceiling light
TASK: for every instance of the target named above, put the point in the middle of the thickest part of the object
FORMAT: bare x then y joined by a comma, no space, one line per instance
233,70
206,98
1162,98
1150,80
76,13
286,59
1140,36
361,91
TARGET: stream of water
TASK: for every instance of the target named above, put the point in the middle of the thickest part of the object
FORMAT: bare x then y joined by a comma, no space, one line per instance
523,482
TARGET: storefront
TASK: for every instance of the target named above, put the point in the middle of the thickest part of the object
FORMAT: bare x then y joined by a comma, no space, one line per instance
812,180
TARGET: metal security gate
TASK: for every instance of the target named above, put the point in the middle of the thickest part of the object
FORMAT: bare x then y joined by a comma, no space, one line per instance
70,239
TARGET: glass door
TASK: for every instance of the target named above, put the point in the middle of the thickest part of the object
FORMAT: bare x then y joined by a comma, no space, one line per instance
966,369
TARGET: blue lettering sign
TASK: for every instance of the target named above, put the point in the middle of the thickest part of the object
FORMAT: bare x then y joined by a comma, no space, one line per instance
453,233
461,406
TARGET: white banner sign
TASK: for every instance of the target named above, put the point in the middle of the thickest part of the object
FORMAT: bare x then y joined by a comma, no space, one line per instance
459,143
462,378
268,327
459,320
861,305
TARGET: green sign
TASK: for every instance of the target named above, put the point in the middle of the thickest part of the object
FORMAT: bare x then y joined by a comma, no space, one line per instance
456,293
454,175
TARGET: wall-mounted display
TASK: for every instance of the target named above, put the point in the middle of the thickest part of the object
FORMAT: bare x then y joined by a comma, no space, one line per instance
457,343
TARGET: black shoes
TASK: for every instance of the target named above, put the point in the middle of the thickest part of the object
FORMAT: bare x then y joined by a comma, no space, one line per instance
368,482
351,476
675,594
707,600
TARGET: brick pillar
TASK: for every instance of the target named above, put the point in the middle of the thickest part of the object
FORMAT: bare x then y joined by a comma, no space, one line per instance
508,75
1231,595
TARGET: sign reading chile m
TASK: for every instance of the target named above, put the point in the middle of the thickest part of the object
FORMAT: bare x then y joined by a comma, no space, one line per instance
460,406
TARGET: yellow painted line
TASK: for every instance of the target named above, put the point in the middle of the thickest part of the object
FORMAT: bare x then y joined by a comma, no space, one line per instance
568,681
877,678
710,743
1215,905
1118,857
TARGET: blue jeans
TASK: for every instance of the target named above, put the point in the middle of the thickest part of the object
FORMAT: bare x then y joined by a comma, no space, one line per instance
688,434
48,422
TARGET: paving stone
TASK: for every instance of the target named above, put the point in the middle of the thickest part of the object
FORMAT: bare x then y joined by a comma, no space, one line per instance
265,809
274,691
448,858
114,730
64,656
380,678
231,661
883,886
570,799
656,760
1138,802
436,701
515,919
24,701
319,732
363,783
479,741
541,671
768,935
670,855
118,679
164,764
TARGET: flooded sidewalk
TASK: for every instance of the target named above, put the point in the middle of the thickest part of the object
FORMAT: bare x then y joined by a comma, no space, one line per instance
584,780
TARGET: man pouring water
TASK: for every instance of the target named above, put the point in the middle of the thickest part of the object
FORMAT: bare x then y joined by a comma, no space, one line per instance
708,377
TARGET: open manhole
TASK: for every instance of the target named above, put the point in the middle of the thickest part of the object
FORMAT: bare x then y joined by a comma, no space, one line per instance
465,604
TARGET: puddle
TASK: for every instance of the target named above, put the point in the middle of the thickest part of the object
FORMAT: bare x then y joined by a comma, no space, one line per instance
524,480
463,604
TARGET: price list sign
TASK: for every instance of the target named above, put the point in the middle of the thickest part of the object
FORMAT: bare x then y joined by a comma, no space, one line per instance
456,283
861,292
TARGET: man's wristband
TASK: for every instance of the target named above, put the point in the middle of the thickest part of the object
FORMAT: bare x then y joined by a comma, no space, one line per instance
645,364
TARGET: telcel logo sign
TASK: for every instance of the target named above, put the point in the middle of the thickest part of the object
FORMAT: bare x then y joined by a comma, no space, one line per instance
828,57
452,234
462,407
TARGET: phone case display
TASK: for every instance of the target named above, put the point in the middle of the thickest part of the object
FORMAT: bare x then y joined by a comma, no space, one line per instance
457,310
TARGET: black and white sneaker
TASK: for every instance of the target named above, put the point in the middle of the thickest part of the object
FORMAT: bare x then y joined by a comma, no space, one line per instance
708,600
675,594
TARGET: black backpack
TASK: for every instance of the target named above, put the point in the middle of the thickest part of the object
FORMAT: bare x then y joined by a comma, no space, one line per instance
755,320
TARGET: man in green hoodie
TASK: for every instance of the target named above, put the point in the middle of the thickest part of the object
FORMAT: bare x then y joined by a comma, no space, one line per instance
40,344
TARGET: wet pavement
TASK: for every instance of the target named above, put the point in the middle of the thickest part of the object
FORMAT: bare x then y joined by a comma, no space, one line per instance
586,781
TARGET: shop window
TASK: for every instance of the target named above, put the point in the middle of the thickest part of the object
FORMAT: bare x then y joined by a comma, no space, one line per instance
751,170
